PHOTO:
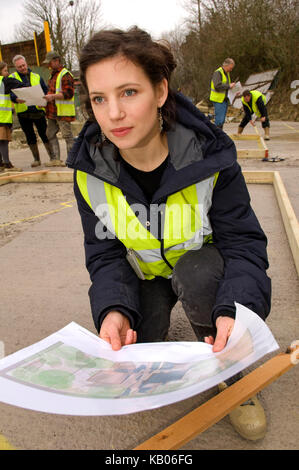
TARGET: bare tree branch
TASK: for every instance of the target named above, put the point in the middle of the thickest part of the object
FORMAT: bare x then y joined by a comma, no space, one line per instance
70,25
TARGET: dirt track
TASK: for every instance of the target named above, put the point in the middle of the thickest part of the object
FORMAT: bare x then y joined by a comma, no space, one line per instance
36,304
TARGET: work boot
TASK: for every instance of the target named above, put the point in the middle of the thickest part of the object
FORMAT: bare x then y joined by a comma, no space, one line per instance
55,148
240,130
9,167
49,149
55,163
248,419
267,133
35,153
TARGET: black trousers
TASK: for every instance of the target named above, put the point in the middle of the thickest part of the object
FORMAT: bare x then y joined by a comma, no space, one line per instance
28,129
194,282
246,120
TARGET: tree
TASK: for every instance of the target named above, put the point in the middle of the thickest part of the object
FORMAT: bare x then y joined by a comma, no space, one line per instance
258,34
70,23
194,9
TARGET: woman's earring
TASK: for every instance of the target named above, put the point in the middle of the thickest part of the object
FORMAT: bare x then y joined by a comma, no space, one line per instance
160,119
103,137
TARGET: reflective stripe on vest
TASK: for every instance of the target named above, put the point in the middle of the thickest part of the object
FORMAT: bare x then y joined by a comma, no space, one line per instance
34,80
255,96
5,105
64,107
219,96
184,222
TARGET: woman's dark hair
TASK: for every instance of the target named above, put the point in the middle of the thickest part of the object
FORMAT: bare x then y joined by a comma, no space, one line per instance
155,58
2,65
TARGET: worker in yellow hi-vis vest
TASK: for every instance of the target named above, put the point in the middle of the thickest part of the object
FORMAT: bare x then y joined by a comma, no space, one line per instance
60,109
220,84
30,117
6,84
254,102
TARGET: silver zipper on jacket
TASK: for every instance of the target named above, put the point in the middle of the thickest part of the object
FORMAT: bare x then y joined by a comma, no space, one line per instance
132,259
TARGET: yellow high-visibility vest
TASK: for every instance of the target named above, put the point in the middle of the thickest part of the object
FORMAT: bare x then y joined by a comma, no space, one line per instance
255,96
185,223
5,105
219,96
64,107
34,80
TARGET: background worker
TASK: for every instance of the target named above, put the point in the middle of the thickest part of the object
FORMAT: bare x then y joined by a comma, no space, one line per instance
60,109
6,84
220,84
254,102
33,115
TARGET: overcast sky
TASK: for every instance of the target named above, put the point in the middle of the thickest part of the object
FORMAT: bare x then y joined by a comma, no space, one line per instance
155,16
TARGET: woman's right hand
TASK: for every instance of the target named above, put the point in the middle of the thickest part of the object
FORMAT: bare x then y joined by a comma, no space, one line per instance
117,331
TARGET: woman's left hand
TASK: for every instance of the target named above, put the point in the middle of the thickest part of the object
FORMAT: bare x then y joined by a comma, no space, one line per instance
224,327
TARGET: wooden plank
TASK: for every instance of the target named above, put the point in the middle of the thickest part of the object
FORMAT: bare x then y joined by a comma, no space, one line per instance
28,173
188,427
258,177
261,152
251,153
10,173
57,177
42,176
288,216
244,137
18,177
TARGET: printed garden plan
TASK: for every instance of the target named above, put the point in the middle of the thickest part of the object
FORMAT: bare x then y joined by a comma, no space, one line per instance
75,372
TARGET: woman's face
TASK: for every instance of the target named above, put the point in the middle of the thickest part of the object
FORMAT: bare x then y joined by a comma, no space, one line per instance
4,71
124,102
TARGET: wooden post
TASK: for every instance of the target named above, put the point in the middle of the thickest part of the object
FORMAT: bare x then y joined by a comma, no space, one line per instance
36,49
47,36
188,427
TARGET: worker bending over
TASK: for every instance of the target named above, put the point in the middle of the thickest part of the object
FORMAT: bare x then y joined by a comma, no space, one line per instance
254,102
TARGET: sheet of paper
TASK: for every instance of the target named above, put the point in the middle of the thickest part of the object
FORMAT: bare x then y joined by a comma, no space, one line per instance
233,92
74,372
33,95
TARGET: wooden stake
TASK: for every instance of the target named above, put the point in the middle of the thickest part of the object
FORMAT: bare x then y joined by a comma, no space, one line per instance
188,427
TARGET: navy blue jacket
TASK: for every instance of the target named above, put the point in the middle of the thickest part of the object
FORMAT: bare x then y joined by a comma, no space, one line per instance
201,151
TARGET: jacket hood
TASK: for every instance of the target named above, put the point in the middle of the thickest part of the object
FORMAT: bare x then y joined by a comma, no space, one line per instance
193,140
